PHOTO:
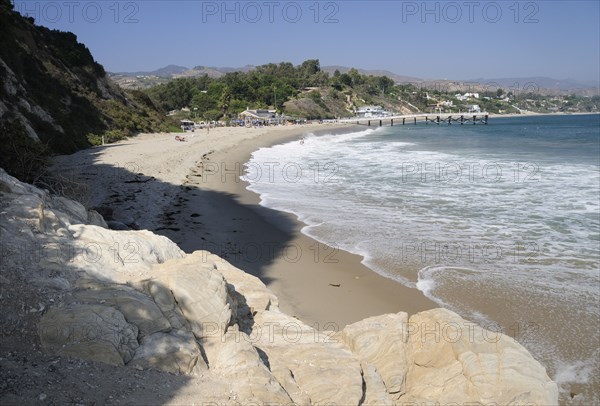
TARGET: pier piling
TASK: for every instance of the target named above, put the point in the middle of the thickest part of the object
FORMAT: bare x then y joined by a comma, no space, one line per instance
478,118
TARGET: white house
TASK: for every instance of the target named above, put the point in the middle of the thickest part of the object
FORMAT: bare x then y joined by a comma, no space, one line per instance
258,114
372,111
463,97
472,108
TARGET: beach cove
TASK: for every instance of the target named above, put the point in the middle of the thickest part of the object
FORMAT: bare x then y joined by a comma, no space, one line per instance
92,289
191,192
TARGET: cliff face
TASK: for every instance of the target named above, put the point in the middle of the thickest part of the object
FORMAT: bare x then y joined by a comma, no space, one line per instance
134,299
51,84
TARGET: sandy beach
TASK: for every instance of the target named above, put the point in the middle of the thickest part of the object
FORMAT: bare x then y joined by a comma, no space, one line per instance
191,192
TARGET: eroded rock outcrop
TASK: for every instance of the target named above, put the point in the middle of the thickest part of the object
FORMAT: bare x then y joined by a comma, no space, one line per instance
176,352
380,343
138,308
93,332
452,359
152,306
199,291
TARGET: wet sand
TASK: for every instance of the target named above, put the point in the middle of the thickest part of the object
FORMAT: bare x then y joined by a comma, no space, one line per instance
191,193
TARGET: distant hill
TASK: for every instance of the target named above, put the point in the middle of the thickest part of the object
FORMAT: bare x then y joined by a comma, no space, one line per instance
203,70
542,85
537,85
200,69
394,76
166,72
147,79
311,92
143,80
540,82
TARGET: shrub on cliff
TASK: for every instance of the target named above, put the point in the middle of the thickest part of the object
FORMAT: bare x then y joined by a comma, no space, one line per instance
22,157
51,83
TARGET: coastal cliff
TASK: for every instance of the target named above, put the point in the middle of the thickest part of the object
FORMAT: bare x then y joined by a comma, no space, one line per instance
54,94
133,299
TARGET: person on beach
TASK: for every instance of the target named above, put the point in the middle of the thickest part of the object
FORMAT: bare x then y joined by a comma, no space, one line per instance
178,138
302,141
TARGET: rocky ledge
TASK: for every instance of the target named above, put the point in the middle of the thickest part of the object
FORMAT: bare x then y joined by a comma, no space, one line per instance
134,299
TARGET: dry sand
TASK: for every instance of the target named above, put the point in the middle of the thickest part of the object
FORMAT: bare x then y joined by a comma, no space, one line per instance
191,193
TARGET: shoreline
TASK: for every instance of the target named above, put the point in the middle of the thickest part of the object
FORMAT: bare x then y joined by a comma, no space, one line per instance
159,340
302,272
199,202
323,287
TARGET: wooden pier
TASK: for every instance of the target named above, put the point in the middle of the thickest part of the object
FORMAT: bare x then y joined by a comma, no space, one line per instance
412,119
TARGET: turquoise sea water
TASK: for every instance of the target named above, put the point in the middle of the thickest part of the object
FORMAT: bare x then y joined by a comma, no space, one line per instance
500,223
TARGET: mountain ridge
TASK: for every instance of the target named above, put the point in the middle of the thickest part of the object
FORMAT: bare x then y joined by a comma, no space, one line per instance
534,83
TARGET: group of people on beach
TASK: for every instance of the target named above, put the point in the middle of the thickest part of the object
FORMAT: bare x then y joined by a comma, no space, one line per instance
184,139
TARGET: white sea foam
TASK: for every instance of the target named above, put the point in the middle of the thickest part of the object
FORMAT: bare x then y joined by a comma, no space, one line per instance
579,371
428,215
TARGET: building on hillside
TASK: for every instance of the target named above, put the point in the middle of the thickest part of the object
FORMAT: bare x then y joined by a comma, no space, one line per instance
472,108
463,97
258,114
372,111
263,117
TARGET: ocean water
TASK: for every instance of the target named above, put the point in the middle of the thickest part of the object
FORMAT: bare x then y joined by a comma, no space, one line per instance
500,223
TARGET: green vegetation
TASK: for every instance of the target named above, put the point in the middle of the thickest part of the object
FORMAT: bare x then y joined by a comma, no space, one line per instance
265,86
52,85
22,156
302,90
55,98
306,91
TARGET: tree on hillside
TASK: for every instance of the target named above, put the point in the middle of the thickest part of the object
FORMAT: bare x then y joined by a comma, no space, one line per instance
346,79
355,77
310,67
203,102
225,100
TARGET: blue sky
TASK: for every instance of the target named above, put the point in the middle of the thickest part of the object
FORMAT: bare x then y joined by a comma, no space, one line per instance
433,39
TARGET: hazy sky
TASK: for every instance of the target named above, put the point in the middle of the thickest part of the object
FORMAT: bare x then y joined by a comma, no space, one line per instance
435,40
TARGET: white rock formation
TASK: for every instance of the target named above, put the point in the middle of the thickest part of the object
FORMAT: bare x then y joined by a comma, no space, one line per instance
199,291
454,360
176,352
94,332
381,343
134,298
